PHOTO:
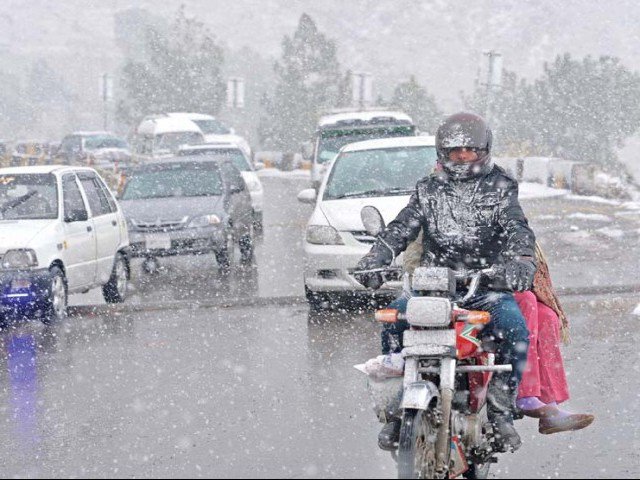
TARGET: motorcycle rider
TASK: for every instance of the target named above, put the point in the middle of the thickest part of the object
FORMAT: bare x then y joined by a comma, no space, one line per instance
471,219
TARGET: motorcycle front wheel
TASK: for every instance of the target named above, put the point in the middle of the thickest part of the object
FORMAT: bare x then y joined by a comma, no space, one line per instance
417,445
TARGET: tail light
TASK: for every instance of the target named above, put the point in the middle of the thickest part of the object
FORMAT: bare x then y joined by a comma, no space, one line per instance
387,315
472,317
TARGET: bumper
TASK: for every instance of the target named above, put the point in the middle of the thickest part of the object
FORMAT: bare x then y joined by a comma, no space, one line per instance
328,269
195,241
24,291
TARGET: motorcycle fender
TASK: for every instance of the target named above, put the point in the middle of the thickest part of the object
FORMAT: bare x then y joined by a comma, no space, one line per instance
419,395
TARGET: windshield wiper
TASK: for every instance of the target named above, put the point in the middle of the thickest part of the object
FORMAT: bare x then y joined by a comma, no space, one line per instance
14,203
373,193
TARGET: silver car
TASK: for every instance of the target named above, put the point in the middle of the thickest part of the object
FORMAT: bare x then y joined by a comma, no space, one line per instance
188,205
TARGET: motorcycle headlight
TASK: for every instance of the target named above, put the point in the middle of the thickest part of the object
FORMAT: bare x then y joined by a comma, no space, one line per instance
19,259
205,221
323,235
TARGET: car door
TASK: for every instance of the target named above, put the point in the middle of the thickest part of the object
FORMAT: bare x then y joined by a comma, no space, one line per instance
105,222
79,246
239,200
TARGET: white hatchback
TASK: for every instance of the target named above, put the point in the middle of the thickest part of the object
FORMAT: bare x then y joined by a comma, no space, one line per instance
382,173
61,232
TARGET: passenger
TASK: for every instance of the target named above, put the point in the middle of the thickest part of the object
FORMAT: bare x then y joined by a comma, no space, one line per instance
544,382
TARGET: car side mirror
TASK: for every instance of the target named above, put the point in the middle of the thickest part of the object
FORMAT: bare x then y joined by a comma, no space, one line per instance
76,216
259,166
308,196
372,220
237,187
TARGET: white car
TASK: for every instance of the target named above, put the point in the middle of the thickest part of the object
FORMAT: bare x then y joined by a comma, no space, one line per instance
382,173
61,232
239,158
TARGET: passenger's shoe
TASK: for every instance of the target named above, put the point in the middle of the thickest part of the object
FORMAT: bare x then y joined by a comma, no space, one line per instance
389,436
557,424
505,436
542,412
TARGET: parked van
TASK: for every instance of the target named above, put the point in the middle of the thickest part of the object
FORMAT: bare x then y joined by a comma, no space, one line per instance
160,136
214,130
339,129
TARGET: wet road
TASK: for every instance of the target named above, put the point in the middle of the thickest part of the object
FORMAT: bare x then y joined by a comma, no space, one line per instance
267,391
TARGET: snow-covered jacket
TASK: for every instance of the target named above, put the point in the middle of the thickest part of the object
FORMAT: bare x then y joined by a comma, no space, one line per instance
469,224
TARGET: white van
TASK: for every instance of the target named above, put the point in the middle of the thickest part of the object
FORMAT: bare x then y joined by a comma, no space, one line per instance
338,129
160,136
214,130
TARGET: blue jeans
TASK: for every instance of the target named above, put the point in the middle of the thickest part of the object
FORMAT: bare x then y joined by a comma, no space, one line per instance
507,329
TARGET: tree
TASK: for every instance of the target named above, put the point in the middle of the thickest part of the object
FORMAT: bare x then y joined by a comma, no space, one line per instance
414,100
578,109
308,80
182,72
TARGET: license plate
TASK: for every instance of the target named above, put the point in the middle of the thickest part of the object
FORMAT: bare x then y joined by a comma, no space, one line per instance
20,284
158,242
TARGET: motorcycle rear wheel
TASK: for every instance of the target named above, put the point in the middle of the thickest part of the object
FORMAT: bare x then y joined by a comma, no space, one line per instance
417,445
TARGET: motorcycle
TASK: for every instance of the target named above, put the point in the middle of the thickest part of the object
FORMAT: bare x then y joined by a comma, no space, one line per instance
445,431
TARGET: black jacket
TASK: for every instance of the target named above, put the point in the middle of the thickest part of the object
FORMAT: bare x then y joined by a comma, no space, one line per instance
469,224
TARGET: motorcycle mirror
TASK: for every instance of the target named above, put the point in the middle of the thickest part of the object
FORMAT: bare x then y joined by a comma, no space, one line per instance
372,220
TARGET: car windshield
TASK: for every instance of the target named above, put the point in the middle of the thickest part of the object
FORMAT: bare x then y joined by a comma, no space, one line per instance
172,141
233,154
97,142
28,197
212,127
379,172
331,141
174,180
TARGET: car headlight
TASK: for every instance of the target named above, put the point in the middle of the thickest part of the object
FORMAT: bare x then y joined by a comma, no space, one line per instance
19,259
205,221
323,235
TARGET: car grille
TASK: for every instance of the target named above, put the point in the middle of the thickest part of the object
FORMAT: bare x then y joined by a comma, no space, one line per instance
160,225
363,237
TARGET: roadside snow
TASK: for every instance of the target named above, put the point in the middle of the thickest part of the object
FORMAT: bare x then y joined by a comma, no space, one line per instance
611,232
274,172
604,201
530,190
596,217
636,311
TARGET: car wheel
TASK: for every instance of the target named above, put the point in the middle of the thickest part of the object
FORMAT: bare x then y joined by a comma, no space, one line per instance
224,256
115,290
55,308
317,301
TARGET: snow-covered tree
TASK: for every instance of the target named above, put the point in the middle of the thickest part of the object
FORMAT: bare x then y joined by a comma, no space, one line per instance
308,81
413,99
182,72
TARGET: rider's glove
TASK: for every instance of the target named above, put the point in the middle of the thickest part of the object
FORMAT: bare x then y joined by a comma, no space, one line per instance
370,280
519,274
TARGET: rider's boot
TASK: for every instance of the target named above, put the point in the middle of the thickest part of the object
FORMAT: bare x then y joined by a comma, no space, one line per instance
500,410
389,436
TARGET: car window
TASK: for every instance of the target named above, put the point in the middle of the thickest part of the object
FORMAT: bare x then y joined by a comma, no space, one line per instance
174,140
200,179
98,201
96,142
331,141
28,197
379,172
212,127
72,198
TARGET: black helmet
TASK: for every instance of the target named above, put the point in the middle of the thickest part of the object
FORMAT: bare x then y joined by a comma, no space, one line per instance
464,130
